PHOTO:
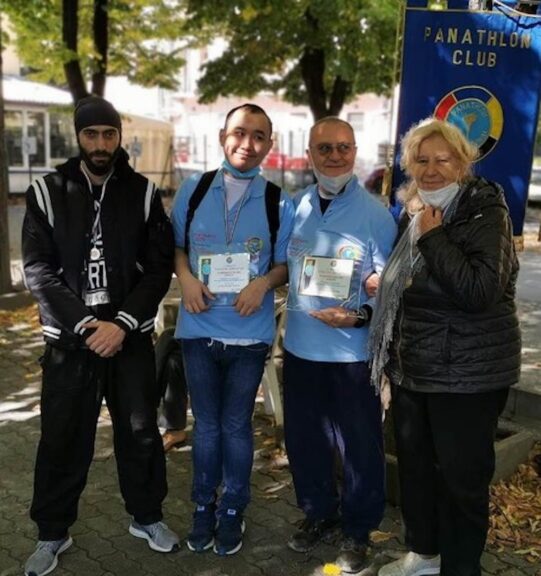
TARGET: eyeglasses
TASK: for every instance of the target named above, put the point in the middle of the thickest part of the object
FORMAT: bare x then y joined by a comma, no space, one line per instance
326,149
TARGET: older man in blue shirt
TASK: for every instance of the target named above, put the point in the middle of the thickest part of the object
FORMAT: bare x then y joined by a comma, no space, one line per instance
341,237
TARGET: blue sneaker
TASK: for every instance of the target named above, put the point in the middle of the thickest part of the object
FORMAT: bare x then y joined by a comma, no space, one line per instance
45,557
229,533
201,537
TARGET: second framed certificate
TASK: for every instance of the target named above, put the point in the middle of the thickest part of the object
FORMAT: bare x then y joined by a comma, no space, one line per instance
326,277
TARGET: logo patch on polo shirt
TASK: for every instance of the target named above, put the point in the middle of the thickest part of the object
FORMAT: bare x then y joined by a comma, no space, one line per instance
350,253
254,245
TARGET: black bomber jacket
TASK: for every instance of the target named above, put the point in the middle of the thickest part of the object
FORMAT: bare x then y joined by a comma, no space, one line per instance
138,249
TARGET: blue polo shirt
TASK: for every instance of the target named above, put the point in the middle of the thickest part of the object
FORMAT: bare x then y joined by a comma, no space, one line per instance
247,220
355,226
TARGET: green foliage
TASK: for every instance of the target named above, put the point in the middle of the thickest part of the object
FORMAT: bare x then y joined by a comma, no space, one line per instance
141,37
268,38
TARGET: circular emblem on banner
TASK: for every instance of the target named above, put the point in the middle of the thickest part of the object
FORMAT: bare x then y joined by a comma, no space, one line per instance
478,114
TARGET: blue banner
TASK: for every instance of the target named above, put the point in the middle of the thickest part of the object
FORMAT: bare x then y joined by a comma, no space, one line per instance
480,70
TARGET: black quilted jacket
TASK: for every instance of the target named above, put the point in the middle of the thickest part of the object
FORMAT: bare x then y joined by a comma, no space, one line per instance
457,329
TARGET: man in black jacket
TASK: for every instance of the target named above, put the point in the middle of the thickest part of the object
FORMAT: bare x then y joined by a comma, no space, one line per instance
98,254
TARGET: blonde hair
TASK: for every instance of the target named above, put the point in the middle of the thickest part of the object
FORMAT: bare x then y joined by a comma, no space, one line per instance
464,151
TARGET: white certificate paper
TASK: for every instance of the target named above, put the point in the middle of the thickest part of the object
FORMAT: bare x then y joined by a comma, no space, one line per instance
225,273
326,277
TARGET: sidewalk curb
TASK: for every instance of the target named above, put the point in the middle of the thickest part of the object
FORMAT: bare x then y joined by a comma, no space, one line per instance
523,403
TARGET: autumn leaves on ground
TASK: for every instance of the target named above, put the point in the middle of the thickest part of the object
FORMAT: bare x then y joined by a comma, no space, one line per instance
515,507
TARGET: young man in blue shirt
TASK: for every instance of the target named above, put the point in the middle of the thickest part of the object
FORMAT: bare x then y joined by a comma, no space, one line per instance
226,321
341,237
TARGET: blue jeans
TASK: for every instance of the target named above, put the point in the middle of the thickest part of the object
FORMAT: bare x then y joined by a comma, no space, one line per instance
222,383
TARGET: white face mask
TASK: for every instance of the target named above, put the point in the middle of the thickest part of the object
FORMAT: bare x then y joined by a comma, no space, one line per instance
440,198
332,184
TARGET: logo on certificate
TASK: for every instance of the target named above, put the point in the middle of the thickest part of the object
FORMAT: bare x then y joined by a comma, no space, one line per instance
478,114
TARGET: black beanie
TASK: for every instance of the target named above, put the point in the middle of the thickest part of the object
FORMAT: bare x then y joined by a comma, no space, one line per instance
94,111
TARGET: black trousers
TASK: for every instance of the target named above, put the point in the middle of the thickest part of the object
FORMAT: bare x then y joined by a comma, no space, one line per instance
445,448
331,407
74,384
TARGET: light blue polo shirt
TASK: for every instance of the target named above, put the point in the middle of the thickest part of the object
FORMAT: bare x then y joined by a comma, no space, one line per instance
247,220
355,226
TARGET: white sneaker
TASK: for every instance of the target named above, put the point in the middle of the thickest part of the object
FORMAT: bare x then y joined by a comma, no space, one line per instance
411,564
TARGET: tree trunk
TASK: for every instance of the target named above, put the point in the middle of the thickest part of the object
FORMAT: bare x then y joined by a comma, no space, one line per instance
5,266
101,44
340,91
312,65
72,68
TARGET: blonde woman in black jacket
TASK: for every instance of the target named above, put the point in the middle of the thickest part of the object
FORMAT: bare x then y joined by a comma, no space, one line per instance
446,334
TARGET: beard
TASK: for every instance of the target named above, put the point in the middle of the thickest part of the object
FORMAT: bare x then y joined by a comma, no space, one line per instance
99,162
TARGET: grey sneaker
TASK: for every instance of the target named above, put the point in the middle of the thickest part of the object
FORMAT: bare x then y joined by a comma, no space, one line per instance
45,557
158,536
412,564
352,556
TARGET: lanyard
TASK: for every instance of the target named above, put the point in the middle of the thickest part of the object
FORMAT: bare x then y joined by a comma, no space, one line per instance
97,216
97,211
230,231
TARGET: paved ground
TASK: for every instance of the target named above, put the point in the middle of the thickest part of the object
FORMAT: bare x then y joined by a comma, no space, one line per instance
103,546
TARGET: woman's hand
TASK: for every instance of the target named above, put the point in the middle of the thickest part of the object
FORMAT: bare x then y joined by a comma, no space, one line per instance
371,284
429,219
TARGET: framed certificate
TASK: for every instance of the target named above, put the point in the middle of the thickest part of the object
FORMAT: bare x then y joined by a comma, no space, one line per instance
225,273
326,277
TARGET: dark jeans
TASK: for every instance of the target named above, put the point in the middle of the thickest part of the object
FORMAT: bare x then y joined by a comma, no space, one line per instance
330,407
222,383
74,384
445,448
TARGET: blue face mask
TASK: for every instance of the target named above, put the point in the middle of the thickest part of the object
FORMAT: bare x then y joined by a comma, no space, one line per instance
440,198
237,173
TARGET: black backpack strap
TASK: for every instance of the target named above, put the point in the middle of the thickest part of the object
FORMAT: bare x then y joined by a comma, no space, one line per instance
272,205
198,194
